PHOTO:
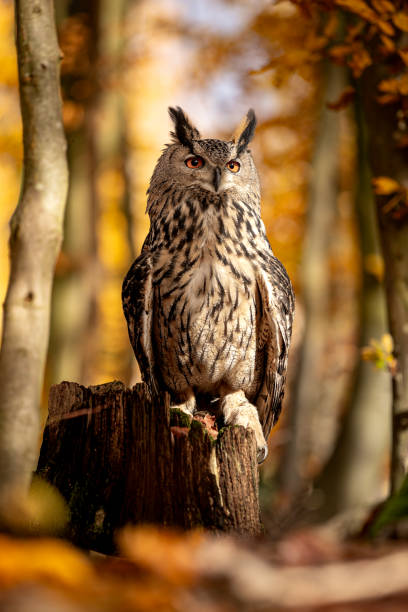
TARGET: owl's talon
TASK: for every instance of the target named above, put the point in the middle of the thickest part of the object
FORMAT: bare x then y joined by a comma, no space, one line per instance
262,454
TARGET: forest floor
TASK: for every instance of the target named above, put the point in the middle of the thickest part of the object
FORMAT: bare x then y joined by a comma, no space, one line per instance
161,569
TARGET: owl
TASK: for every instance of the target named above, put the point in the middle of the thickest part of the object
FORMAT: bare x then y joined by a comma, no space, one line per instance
209,307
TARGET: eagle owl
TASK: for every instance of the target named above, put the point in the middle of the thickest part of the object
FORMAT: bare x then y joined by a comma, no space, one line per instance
209,307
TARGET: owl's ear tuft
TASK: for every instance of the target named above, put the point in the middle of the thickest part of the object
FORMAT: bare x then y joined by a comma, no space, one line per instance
245,131
184,131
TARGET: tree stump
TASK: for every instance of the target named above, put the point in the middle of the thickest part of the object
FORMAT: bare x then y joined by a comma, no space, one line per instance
119,456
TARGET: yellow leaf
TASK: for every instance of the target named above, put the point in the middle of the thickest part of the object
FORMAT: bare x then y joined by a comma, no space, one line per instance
380,353
384,185
401,21
387,342
43,560
374,265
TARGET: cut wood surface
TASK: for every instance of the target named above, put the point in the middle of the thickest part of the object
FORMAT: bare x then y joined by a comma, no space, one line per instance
118,456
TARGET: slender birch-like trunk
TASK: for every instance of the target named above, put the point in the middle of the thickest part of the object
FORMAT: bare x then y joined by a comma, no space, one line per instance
36,233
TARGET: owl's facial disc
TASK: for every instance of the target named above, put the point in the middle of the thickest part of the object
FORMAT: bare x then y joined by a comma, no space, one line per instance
209,175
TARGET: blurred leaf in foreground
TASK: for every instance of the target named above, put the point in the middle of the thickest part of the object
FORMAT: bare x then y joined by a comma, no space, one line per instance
380,352
48,561
167,553
42,511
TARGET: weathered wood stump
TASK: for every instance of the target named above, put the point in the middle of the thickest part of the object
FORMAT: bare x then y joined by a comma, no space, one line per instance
118,456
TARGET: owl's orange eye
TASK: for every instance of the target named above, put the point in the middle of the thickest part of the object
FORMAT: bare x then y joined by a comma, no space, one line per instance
233,165
194,162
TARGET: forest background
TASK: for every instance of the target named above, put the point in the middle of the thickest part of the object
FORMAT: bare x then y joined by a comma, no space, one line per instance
122,66
319,75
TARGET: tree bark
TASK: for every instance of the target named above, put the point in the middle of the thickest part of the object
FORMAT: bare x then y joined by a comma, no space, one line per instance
118,456
36,232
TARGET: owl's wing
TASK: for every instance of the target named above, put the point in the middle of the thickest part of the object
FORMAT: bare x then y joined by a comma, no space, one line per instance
274,333
138,304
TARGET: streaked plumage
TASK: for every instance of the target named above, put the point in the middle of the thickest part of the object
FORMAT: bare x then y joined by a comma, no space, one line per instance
209,308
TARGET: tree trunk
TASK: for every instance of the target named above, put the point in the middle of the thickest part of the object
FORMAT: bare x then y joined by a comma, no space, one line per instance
314,403
118,457
388,160
36,232
355,475
77,279
111,355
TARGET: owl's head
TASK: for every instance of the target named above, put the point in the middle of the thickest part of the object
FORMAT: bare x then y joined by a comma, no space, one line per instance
214,165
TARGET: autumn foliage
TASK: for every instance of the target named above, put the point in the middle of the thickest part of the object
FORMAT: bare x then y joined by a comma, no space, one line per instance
275,57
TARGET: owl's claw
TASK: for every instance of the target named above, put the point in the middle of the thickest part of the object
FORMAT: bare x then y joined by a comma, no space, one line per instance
262,454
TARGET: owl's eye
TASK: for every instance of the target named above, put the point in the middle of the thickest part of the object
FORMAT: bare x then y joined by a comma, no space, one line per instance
233,165
194,162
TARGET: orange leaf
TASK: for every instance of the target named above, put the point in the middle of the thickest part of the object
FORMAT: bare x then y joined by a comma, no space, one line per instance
359,8
388,43
210,425
364,11
165,552
383,6
331,26
392,204
387,99
401,21
339,52
397,85
353,31
403,53
316,43
385,27
346,96
384,185
359,62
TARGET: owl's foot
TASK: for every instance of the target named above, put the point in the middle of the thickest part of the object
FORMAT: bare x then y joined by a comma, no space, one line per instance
237,410
188,406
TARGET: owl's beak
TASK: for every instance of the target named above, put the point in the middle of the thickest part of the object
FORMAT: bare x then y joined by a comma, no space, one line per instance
217,178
